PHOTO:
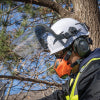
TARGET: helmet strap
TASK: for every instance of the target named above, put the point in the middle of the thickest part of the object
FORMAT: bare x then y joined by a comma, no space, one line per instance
66,57
76,62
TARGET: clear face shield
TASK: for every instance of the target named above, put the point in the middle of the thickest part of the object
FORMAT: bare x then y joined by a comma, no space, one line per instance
30,43
35,41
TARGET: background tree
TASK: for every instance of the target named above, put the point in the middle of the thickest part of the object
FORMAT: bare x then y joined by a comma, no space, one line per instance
87,11
18,18
84,10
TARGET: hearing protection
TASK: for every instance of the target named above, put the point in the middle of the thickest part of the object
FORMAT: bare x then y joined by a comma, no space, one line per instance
81,46
62,67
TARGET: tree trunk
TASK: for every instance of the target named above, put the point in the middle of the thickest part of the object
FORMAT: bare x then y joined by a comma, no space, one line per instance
84,10
87,11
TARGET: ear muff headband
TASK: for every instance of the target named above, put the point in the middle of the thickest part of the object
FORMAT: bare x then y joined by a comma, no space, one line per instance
81,46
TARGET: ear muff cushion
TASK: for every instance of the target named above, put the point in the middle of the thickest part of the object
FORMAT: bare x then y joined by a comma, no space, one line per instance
81,47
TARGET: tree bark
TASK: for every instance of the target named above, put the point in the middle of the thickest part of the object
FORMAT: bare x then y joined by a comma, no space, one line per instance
87,11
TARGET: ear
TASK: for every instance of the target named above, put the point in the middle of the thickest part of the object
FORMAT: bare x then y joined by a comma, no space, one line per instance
81,46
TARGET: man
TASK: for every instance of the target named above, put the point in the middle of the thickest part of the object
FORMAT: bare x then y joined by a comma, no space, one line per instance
69,42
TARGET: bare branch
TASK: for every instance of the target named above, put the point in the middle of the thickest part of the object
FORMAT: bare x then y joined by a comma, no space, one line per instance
31,80
11,10
6,98
48,3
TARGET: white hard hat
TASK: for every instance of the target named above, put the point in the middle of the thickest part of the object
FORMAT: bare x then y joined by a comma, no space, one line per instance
63,28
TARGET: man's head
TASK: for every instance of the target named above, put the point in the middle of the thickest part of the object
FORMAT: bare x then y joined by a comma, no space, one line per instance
69,46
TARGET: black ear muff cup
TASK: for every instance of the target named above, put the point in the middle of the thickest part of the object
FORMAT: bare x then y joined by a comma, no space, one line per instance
81,46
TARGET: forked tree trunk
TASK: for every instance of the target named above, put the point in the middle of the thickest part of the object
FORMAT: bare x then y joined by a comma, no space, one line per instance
88,11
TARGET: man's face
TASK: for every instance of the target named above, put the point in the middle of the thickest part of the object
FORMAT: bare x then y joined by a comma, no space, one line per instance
62,66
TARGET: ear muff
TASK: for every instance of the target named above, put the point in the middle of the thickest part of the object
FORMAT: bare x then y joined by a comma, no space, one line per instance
81,47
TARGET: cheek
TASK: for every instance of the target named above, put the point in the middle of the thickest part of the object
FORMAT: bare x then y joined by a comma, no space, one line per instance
74,59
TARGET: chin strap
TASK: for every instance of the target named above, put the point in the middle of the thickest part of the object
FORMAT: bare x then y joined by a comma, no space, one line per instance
67,55
76,62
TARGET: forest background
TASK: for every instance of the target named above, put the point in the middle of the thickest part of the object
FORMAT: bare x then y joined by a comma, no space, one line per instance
31,75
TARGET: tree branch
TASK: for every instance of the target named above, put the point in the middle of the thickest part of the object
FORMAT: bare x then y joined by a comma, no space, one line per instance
31,80
48,3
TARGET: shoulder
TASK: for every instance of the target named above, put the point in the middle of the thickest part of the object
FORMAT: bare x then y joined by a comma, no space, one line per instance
89,81
94,54
91,69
